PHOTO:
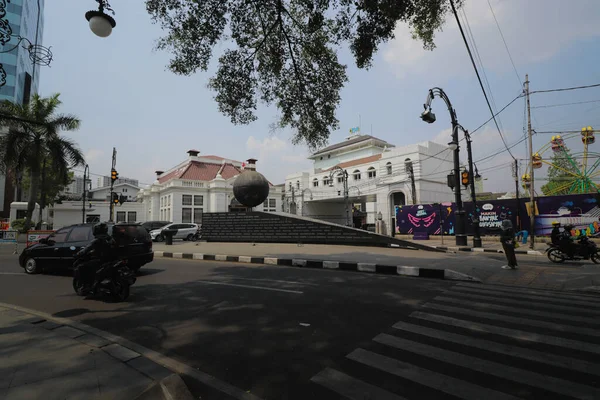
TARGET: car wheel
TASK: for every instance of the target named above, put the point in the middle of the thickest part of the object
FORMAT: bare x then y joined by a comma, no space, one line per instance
159,238
31,266
189,237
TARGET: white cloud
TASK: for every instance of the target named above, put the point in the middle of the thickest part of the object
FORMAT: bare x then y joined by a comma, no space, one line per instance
535,30
278,157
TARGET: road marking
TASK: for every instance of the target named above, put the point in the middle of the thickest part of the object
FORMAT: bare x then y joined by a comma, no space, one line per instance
250,287
550,298
516,320
552,293
351,388
498,370
434,380
516,310
519,303
276,281
511,333
500,348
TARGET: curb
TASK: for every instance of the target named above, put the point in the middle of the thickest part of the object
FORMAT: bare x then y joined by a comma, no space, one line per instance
482,250
324,264
146,361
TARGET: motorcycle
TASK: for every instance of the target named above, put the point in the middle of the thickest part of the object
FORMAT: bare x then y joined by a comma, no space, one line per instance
585,250
115,281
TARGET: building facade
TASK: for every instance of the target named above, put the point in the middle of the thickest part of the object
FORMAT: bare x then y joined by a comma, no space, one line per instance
380,175
104,181
129,191
197,185
19,78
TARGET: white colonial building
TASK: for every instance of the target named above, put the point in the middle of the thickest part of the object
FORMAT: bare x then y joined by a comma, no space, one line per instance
197,185
379,179
128,190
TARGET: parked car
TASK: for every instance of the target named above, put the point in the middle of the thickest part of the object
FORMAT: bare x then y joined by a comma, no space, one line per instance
153,225
59,249
184,231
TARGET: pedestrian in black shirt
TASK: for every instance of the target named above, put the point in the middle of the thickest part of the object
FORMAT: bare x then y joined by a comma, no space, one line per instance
507,237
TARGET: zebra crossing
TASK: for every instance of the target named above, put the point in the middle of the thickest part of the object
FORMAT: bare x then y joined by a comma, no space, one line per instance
479,342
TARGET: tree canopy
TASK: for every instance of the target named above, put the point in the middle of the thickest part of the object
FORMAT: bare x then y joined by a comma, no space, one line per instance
285,51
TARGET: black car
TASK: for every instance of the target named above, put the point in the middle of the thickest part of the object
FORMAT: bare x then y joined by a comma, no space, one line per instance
59,249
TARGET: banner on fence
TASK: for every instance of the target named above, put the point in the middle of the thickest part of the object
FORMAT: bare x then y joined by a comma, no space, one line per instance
33,237
7,236
582,211
4,225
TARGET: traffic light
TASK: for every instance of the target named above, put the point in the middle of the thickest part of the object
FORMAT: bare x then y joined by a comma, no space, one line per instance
114,175
115,198
465,177
122,199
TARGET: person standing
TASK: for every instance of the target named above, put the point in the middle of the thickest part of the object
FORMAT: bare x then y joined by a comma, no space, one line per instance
507,238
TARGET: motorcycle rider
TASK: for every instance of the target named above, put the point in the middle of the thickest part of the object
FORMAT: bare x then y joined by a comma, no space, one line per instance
556,233
101,251
567,242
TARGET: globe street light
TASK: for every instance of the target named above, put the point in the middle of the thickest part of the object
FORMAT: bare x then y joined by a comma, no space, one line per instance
101,23
429,117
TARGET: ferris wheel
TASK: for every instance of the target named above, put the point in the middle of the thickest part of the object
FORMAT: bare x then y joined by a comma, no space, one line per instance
579,170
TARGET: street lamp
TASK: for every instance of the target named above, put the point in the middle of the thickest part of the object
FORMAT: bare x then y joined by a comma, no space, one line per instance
101,23
86,177
345,182
311,197
472,179
429,117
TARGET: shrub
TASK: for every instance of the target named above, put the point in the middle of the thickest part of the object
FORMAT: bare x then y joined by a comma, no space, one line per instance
18,225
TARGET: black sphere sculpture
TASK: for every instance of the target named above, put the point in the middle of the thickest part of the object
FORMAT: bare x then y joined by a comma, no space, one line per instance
251,188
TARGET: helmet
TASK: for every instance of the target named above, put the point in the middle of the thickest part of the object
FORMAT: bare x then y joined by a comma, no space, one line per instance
555,223
100,229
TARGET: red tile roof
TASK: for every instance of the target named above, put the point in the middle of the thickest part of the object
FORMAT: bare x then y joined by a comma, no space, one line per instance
216,158
358,161
199,171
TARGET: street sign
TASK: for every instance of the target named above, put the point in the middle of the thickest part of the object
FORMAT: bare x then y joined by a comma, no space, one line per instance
7,236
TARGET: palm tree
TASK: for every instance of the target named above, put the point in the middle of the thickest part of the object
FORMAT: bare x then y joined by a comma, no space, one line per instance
33,137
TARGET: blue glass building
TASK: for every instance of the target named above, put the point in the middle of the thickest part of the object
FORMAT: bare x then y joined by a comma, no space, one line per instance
19,78
25,18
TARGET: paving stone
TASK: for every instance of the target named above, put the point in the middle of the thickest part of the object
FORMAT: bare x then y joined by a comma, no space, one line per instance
79,385
69,331
49,325
149,368
121,382
119,352
93,340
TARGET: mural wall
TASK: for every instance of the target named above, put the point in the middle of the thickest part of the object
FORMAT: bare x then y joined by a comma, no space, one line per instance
582,211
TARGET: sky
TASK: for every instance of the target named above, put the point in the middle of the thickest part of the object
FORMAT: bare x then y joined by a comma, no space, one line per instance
126,98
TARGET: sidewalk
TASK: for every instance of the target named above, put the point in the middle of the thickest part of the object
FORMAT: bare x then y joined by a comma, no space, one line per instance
40,359
490,244
535,269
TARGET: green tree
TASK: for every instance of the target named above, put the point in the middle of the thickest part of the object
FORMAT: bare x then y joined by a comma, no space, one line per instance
33,139
559,178
285,51
52,184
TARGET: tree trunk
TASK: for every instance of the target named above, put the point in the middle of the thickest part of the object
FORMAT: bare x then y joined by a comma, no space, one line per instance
33,190
42,195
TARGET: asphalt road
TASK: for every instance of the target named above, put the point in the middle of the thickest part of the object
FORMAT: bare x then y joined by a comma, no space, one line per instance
292,333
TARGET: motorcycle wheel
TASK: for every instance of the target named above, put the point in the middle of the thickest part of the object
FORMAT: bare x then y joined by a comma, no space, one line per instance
596,257
555,256
121,291
79,287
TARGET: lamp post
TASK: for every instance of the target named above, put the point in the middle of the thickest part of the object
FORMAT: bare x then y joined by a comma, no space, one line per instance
86,177
429,117
476,234
100,22
345,182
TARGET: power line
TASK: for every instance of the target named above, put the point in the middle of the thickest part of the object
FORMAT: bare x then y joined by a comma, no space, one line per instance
478,77
505,45
565,89
567,104
503,108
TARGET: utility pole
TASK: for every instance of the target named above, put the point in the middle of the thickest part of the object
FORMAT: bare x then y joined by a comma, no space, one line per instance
477,235
532,185
86,177
516,176
113,175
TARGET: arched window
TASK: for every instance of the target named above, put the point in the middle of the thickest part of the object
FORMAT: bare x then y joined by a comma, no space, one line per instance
388,167
371,173
297,184
290,186
315,182
340,178
326,180
356,175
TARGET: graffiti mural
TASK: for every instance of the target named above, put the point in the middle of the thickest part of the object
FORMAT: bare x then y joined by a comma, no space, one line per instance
582,211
